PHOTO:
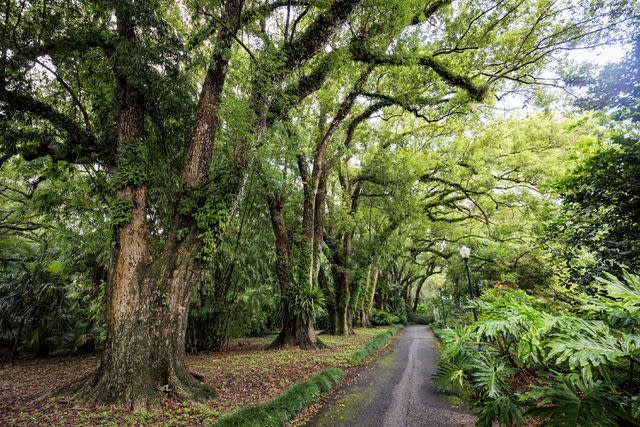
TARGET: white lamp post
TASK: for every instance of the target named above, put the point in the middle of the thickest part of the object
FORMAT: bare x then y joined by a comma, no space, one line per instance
465,253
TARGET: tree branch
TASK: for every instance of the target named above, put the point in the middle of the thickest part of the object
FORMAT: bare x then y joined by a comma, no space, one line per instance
80,145
361,53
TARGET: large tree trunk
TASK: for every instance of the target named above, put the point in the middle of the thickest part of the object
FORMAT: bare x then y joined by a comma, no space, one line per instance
148,302
178,272
296,333
144,354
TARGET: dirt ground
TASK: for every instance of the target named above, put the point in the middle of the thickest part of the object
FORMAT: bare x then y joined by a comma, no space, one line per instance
245,373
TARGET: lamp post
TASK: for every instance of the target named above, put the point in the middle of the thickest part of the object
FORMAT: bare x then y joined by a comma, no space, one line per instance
465,252
444,313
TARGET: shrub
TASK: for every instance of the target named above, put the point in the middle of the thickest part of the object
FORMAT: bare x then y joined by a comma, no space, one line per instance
574,399
595,356
421,318
383,318
425,307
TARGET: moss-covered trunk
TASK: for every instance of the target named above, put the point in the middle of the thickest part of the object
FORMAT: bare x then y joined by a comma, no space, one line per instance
340,255
147,302
147,312
295,331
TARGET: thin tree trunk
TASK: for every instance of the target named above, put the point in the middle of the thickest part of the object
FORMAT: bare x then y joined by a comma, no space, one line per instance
364,317
16,342
342,292
416,300
319,214
295,332
366,322
330,306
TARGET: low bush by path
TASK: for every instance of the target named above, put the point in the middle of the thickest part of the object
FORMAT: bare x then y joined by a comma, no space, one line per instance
379,341
247,373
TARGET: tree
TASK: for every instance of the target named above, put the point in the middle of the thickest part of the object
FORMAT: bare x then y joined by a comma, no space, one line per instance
148,294
596,228
616,88
600,211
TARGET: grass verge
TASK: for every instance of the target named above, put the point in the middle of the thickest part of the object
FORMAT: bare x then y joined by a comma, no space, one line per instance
379,341
437,331
286,406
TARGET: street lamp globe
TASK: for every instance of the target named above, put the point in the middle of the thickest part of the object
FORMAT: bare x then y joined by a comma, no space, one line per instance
465,252
440,286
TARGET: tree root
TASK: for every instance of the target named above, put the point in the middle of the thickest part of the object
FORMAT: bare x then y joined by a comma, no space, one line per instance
289,341
96,389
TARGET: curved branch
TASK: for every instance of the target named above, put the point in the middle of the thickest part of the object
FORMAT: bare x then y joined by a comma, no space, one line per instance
361,53
81,146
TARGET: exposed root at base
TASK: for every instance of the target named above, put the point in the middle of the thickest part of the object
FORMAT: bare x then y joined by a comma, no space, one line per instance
97,390
280,343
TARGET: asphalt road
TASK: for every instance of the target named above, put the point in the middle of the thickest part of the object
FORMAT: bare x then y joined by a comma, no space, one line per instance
396,390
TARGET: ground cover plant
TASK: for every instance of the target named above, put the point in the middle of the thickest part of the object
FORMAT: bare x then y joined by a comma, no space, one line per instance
286,406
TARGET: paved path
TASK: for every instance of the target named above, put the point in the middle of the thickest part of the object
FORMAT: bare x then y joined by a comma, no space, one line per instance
396,390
